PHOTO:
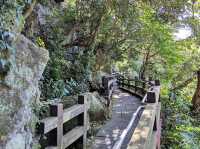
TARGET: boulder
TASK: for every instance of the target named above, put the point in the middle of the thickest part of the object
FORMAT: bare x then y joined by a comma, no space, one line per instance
18,91
97,107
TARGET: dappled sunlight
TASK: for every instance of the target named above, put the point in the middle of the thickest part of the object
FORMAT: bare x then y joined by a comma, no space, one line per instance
122,111
116,133
115,96
125,112
124,94
107,140
143,129
117,105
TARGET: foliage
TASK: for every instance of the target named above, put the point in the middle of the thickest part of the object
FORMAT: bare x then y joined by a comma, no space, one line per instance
40,42
11,19
67,72
85,38
181,129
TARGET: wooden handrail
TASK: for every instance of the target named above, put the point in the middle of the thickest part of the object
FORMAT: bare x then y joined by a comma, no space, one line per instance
147,132
50,123
135,86
59,116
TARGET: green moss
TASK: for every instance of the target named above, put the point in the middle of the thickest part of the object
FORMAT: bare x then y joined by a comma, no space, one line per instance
11,20
8,108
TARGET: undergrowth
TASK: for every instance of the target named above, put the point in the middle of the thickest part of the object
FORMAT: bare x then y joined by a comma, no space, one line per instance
180,125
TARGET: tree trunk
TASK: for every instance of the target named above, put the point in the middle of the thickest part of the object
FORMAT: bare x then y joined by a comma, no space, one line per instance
196,97
142,73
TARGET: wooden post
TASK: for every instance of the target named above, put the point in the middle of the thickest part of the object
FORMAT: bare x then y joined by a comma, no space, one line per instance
59,1
150,79
157,82
83,100
118,80
129,84
123,81
57,110
155,124
136,84
104,82
151,97
143,87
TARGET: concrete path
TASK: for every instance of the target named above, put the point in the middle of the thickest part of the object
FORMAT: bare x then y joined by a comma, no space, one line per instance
124,105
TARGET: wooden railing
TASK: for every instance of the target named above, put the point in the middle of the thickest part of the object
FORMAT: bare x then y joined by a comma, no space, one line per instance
147,133
58,117
136,86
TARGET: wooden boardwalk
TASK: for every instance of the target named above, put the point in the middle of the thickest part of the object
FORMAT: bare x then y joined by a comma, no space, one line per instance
135,122
124,106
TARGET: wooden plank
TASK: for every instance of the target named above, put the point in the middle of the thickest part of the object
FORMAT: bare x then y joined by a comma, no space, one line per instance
156,89
118,143
51,122
158,93
158,133
72,112
72,136
151,126
83,120
144,98
51,147
60,126
132,91
85,123
152,139
48,124
143,131
152,142
144,137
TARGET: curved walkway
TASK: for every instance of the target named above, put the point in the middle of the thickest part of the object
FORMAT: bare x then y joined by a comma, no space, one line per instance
124,106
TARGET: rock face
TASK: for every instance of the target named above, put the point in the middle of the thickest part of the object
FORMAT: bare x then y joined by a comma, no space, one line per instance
42,12
18,90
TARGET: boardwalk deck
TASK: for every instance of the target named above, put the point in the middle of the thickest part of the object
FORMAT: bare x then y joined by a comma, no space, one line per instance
124,105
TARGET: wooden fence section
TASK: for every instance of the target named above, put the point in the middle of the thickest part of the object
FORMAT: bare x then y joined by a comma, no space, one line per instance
147,132
59,116
135,86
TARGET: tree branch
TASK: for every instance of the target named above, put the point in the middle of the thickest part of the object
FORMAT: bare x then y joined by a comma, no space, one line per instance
29,10
184,83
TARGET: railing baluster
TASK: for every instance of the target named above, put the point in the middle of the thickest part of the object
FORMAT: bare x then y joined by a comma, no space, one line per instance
60,127
57,110
58,117
136,84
